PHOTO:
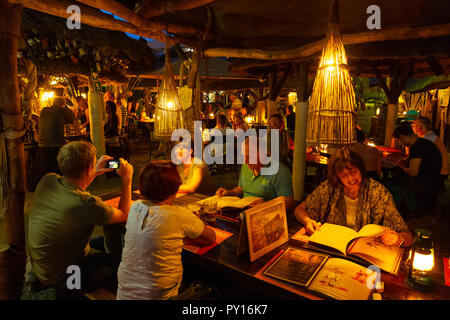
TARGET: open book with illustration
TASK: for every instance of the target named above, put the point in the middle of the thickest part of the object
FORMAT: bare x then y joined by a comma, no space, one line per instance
231,202
333,277
365,244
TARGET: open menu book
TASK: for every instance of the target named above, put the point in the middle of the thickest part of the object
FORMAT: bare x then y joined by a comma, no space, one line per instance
365,244
231,202
333,277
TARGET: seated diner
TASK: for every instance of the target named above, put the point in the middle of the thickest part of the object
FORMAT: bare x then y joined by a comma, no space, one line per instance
151,265
349,198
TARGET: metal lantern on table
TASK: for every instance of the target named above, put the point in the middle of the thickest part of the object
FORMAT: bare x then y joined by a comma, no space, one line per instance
169,113
421,261
332,107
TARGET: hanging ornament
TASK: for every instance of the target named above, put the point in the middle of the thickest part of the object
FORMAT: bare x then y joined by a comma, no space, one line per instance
169,114
332,108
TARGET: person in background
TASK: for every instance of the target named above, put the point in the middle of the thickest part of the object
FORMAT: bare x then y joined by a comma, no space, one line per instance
370,155
111,128
51,137
195,177
290,120
423,166
109,96
63,216
418,176
349,198
151,266
131,102
83,112
124,113
221,123
276,122
422,128
239,123
236,104
253,184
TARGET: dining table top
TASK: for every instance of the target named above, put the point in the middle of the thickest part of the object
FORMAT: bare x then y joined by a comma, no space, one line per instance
222,262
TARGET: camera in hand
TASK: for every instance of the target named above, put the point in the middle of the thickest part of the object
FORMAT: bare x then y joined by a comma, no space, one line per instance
113,164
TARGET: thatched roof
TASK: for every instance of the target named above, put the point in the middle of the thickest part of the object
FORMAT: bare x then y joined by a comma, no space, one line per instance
278,26
120,54
274,33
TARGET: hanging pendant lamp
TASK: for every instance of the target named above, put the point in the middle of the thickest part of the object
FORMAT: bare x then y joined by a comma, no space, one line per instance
332,108
169,113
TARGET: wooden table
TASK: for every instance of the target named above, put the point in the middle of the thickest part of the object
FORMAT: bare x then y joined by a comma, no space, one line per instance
236,274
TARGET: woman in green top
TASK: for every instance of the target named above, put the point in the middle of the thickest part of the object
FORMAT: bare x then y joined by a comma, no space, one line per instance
194,173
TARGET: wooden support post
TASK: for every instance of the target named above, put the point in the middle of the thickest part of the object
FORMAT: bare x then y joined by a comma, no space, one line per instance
391,120
12,254
95,103
275,89
301,116
399,75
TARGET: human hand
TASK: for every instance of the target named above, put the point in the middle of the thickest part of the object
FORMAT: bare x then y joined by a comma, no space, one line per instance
125,170
100,165
256,202
391,238
312,226
221,192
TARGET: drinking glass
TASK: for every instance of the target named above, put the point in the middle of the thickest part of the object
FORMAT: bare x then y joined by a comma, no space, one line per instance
210,211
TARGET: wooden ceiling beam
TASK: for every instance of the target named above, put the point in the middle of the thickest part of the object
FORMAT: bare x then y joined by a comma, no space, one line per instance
404,33
435,65
149,10
98,19
130,16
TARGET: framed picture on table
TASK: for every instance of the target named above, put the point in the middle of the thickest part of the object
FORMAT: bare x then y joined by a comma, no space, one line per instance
265,226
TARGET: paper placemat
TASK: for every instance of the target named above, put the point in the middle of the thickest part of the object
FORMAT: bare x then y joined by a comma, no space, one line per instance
221,235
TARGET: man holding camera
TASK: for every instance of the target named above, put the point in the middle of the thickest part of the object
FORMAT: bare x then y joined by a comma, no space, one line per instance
63,216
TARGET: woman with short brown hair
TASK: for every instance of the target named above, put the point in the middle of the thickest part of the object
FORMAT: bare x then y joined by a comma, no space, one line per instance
351,199
151,265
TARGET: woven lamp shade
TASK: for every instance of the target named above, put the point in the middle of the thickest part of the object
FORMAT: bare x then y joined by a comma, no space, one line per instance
332,108
169,113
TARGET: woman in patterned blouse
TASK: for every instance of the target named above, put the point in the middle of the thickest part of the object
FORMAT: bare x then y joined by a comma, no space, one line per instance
349,198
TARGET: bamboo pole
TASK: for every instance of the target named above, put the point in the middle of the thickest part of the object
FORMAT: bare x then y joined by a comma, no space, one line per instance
12,255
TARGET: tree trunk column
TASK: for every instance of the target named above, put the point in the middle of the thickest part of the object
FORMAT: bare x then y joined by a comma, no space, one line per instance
301,117
12,255
95,101
391,120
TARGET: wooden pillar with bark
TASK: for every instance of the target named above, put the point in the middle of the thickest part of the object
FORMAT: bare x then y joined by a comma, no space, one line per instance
301,117
96,118
398,76
276,84
12,163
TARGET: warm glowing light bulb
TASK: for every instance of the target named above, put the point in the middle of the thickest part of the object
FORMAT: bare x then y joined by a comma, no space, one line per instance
378,111
249,119
170,104
423,262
